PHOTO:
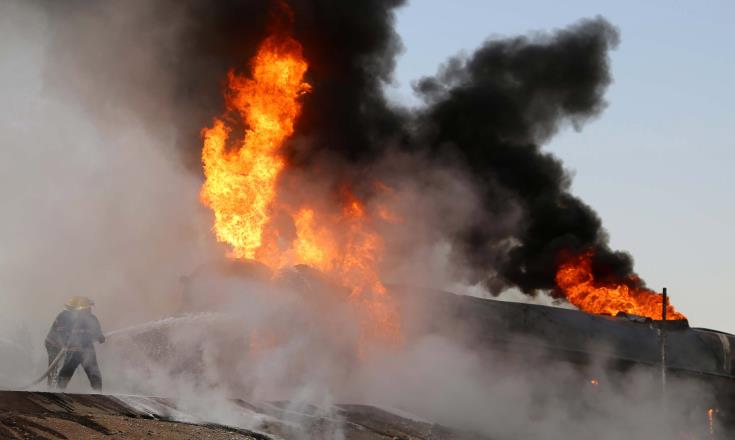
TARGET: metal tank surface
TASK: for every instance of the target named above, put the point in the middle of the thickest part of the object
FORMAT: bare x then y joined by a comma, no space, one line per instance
540,336
579,334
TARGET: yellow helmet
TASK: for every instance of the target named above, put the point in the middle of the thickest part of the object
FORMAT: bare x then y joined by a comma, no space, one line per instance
79,303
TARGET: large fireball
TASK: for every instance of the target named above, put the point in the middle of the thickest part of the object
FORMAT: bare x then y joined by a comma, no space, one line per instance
241,188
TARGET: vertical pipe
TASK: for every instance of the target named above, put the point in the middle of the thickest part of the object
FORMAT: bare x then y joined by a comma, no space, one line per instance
662,334
664,303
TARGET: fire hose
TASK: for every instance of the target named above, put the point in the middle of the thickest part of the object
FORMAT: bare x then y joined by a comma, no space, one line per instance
52,365
167,321
48,371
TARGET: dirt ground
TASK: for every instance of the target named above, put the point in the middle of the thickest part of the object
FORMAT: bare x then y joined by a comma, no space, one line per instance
54,416
51,416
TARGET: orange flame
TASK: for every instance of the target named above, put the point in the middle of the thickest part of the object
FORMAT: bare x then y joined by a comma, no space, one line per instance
575,278
346,247
711,420
240,184
241,187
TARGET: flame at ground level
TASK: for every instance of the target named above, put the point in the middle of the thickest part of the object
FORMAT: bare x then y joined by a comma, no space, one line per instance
576,280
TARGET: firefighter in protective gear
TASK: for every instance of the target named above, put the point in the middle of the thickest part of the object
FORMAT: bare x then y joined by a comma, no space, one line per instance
75,330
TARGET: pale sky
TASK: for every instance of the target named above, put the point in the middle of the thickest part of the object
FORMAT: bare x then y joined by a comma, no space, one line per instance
656,165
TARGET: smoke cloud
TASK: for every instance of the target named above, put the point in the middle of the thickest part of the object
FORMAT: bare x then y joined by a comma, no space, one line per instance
485,118
492,111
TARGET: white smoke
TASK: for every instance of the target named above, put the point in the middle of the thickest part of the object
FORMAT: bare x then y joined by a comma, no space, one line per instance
94,201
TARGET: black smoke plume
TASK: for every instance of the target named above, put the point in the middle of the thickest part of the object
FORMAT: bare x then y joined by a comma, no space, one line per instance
486,114
494,110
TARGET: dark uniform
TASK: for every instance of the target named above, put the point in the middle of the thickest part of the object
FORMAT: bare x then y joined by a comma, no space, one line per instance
77,330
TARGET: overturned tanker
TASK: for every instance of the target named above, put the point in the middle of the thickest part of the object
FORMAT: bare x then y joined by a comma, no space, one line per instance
597,345
576,335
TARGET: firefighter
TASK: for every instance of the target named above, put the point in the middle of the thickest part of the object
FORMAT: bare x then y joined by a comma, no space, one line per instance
75,330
